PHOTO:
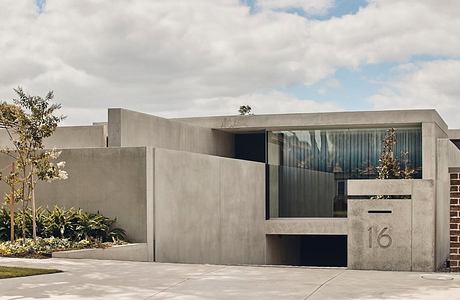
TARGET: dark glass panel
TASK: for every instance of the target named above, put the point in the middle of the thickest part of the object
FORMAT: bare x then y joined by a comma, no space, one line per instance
308,169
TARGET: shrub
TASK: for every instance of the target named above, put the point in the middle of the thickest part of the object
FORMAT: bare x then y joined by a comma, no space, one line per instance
4,224
72,224
43,247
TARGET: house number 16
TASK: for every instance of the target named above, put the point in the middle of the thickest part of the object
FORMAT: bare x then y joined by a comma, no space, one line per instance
383,238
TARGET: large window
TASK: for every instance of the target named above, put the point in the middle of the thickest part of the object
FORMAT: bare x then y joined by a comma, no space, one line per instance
308,169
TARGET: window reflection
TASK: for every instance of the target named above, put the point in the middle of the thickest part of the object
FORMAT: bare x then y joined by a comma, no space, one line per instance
308,169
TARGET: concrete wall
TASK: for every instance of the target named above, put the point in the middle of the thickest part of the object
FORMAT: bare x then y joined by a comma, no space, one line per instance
129,252
109,180
208,209
131,129
326,226
379,241
421,214
432,169
94,136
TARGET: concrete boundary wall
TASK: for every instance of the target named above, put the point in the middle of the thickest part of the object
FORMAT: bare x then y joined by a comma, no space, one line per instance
65,137
109,180
132,129
420,215
129,252
208,209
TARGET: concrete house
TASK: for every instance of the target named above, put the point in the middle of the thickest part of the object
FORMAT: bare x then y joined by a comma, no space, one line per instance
288,189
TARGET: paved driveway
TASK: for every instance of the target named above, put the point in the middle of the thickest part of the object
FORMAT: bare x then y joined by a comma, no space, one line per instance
95,279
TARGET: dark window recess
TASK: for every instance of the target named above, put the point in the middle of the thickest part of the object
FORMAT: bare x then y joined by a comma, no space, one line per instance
250,146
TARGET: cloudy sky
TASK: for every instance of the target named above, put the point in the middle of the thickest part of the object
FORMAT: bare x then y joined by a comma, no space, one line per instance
205,57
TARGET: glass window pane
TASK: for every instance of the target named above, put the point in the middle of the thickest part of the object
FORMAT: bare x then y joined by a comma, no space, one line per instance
308,169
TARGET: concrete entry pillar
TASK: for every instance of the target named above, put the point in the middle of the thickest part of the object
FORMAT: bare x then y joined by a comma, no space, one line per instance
392,234
380,234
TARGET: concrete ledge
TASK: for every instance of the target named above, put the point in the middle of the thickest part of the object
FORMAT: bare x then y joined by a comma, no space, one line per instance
372,187
129,252
306,226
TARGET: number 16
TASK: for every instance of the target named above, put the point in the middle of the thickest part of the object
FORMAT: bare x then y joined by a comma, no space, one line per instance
383,239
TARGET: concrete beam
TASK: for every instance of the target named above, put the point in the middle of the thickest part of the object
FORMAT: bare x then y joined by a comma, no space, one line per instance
372,187
306,226
319,120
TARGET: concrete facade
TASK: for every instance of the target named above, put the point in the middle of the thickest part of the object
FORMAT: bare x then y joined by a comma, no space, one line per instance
94,136
208,209
132,129
109,180
175,185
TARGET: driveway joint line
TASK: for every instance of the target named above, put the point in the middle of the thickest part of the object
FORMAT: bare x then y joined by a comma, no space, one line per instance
323,284
181,282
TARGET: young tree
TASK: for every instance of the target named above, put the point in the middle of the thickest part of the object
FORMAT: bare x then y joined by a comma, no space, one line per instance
34,121
41,122
244,110
11,179
389,166
11,118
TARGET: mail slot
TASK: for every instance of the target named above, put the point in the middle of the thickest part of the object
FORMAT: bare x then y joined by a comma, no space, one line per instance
379,211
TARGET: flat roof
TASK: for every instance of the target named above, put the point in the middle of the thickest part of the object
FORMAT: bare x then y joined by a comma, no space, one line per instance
326,119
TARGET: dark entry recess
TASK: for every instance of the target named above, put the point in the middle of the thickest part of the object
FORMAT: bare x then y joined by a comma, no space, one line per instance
250,146
307,250
323,250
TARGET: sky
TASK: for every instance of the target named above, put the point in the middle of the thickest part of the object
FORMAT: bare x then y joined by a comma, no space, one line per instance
181,58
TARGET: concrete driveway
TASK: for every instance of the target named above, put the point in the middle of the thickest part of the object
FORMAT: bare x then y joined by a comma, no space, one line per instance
96,279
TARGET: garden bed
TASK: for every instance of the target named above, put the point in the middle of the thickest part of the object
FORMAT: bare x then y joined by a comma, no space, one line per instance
44,247
58,229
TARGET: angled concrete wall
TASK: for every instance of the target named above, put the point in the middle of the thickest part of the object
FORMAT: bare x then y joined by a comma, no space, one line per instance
208,209
109,180
131,129
66,137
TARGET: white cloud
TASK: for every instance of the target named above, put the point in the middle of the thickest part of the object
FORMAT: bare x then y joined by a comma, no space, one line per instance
311,7
158,56
433,84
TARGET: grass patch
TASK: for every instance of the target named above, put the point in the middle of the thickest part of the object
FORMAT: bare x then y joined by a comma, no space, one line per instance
10,272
